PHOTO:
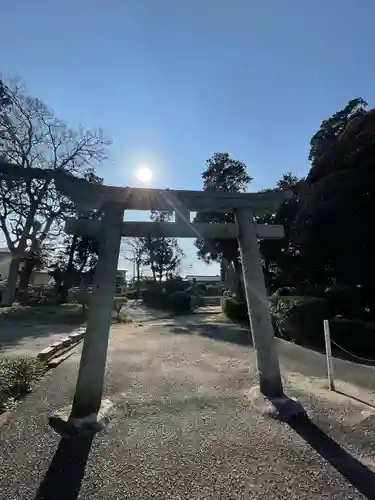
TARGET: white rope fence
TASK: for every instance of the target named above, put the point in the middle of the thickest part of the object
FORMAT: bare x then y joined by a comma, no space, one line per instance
328,344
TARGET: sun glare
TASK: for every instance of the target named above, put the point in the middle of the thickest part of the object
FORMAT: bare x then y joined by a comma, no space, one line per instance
143,174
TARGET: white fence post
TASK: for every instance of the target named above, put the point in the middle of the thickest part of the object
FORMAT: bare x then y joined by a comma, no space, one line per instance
327,337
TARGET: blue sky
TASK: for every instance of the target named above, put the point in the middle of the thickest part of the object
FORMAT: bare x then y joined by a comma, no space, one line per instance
173,81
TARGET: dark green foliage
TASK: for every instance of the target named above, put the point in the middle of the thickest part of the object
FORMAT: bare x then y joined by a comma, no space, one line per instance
345,301
212,291
354,336
155,297
300,319
280,258
223,174
324,142
335,243
180,302
175,284
285,291
327,223
162,254
235,309
202,288
307,290
197,298
69,314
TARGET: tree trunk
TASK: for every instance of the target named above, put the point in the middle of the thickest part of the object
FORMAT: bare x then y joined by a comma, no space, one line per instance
229,275
25,273
138,281
24,280
67,281
32,258
267,275
9,293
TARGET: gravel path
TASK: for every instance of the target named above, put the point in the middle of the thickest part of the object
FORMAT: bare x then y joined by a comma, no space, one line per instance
183,427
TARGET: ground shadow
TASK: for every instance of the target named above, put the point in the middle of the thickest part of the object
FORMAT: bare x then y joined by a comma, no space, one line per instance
225,333
13,334
355,398
64,476
357,474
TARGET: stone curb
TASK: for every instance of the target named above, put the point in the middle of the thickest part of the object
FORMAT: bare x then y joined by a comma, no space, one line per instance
70,340
64,348
6,417
57,360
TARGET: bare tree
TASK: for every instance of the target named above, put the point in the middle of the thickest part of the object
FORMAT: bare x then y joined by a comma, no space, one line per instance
135,247
31,137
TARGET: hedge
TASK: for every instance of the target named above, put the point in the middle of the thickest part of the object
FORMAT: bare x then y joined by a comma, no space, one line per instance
234,309
354,336
300,319
180,302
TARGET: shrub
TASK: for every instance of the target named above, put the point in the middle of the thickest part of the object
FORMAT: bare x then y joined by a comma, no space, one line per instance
123,317
307,290
37,295
69,314
176,284
202,288
300,319
117,305
196,299
81,296
17,375
234,309
353,336
285,291
180,302
156,298
212,291
344,300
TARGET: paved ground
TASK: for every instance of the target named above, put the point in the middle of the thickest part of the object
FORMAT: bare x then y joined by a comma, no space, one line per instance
183,426
28,340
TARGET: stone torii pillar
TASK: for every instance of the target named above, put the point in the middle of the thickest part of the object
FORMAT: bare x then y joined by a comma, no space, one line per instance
268,397
258,306
83,415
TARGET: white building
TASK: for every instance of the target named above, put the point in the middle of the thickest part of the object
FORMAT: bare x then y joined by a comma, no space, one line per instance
37,277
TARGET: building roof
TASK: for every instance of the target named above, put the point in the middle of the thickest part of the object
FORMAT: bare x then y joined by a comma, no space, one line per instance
198,277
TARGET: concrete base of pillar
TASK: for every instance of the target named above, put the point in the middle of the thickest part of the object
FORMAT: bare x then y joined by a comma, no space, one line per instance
69,427
281,408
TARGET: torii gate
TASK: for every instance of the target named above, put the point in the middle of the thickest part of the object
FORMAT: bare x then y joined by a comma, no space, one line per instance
112,202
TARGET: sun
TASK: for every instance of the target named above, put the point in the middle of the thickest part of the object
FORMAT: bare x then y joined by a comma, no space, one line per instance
143,174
